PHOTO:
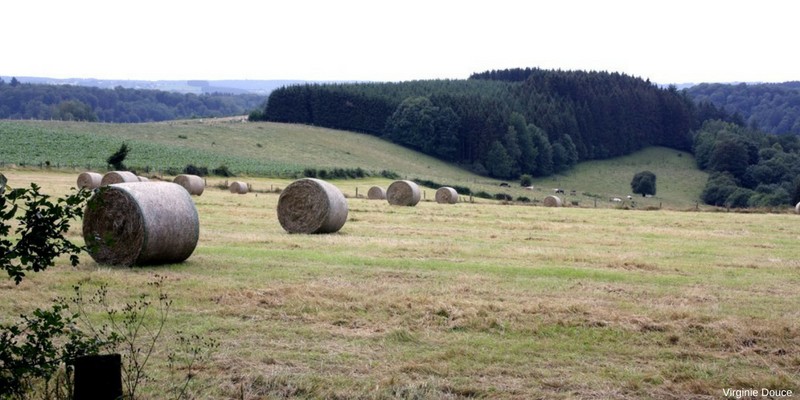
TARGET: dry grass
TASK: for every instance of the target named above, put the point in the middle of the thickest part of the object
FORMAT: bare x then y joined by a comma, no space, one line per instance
511,302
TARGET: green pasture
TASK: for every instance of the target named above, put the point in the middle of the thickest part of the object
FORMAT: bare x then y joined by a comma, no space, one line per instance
285,150
472,300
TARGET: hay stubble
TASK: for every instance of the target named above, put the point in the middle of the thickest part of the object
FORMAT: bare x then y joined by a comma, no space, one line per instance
508,302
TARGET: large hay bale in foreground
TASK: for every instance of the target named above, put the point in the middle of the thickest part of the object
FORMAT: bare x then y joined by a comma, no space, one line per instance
376,193
141,223
311,205
552,201
192,183
403,193
89,180
238,187
113,177
446,195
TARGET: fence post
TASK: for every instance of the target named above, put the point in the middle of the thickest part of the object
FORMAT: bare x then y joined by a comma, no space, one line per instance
98,377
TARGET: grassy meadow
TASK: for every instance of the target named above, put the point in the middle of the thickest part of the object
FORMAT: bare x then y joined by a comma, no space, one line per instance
285,150
472,300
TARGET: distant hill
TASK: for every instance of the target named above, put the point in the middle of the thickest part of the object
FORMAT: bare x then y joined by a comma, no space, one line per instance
70,102
770,107
241,86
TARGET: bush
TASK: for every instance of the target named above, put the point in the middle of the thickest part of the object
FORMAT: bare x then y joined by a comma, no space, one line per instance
525,180
523,199
222,170
192,170
483,195
503,196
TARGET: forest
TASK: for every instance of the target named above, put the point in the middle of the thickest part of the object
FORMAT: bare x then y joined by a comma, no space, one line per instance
748,168
770,107
502,123
82,103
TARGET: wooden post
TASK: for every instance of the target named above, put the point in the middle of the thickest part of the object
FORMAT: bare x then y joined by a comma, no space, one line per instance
98,377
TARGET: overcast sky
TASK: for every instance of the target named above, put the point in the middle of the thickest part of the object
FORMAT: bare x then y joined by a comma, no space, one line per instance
676,41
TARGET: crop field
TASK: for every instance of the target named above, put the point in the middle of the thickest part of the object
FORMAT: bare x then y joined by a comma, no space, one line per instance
472,300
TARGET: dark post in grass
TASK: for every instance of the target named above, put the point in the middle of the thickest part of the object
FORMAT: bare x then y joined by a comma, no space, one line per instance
98,377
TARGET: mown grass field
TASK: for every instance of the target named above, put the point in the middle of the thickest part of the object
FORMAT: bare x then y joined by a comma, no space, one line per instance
284,150
469,300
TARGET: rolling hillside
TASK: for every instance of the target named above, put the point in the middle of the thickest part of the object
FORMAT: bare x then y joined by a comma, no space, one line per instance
284,150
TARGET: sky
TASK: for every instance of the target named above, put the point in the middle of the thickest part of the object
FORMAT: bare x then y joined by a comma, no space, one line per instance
676,41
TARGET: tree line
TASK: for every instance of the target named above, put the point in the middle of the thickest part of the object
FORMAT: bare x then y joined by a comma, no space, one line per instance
748,167
770,107
501,123
82,103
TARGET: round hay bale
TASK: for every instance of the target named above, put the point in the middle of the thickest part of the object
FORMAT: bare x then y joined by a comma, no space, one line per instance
797,208
141,223
312,205
403,193
192,183
118,177
89,180
376,193
552,201
238,187
143,179
446,195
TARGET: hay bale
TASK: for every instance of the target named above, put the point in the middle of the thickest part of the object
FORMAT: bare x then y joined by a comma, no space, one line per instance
143,179
552,201
89,180
797,208
376,193
238,187
118,177
141,223
403,193
311,205
192,183
446,195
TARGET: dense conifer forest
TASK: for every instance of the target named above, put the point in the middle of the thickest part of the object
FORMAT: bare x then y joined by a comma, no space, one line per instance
82,103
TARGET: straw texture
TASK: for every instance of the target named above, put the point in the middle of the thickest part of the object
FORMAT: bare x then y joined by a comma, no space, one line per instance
141,223
312,206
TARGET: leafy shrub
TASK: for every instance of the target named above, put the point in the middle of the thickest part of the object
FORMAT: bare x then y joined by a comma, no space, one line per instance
192,170
503,196
222,170
41,229
525,180
523,199
483,195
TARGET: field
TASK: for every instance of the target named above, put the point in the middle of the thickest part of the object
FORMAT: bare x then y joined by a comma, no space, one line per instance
472,300
285,150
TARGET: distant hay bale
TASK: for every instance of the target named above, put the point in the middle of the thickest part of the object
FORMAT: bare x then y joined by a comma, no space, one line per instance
143,179
238,187
797,208
141,223
446,195
192,183
89,180
312,205
552,201
118,177
403,193
376,193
